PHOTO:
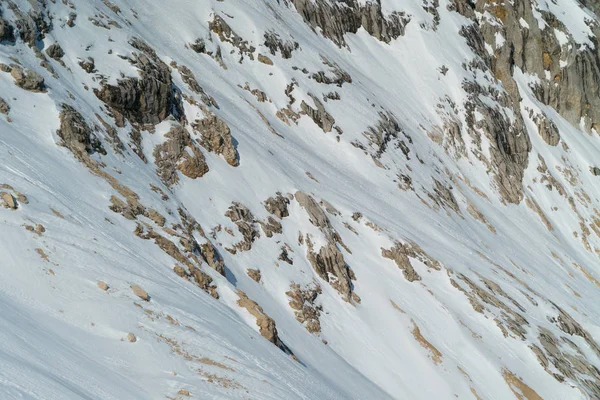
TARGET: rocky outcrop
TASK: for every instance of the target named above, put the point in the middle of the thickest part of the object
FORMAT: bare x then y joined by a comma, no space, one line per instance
149,99
302,301
179,153
399,254
7,32
271,226
275,44
28,79
278,205
226,34
4,107
55,51
266,324
76,134
335,18
330,265
320,116
8,201
547,129
216,138
246,224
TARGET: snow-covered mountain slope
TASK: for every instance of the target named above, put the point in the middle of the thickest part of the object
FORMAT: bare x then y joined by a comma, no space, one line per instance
299,199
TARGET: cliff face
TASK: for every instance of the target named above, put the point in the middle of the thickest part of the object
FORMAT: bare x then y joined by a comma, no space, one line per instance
312,199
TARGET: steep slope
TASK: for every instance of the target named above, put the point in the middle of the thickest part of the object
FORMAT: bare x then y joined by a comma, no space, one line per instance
299,199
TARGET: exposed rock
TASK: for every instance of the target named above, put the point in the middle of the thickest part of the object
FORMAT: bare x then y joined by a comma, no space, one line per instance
329,264
212,257
547,129
226,34
216,138
284,256
246,224
266,324
8,200
76,134
28,79
149,99
595,171
271,226
254,274
55,51
275,44
399,254
102,285
277,205
336,18
264,59
131,337
4,107
302,300
88,65
320,116
139,292
316,214
7,32
179,153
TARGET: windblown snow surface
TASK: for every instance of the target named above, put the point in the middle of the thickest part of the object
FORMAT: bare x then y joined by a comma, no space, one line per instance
506,294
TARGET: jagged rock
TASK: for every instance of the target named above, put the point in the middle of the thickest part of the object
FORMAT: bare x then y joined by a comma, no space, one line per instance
336,18
284,256
179,153
88,65
28,79
595,171
139,292
55,51
271,226
76,134
264,59
254,274
246,225
277,205
320,116
302,301
329,264
399,254
216,138
4,107
199,46
8,200
212,257
189,79
7,32
547,129
266,324
32,26
383,133
226,34
149,99
316,214
274,43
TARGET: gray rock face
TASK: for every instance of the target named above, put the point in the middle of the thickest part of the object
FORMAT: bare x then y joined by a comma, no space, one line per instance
316,214
55,51
32,26
76,133
277,205
275,44
329,264
216,138
28,79
335,18
172,156
320,116
547,129
4,107
147,100
7,32
246,224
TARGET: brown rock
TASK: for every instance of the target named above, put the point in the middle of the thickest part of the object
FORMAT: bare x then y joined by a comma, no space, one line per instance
8,200
102,285
131,337
216,138
139,292
264,59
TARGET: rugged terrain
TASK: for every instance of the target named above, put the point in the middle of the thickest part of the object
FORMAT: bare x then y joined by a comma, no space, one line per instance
299,199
